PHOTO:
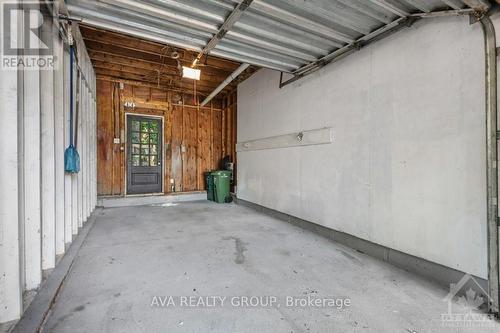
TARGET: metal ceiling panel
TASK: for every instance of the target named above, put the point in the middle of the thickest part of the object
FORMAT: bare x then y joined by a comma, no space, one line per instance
293,36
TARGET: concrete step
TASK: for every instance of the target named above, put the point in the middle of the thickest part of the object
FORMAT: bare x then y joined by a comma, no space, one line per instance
144,200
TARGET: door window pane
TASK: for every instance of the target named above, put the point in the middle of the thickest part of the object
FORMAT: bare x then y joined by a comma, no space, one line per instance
153,160
135,160
136,125
135,137
144,143
154,127
153,138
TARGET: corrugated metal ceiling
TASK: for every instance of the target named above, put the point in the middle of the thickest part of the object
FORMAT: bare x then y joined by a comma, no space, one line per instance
288,35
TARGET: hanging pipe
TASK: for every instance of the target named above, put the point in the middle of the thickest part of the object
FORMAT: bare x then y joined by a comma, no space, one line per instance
491,161
227,81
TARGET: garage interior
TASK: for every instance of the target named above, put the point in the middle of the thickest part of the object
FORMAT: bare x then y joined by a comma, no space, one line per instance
249,166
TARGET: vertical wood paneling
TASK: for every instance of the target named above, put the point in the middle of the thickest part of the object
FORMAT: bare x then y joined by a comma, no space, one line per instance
199,130
167,128
177,126
104,138
228,132
204,145
122,140
167,164
117,154
189,155
217,137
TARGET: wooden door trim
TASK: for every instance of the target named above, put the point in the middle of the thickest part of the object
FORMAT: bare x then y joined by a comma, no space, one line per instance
162,153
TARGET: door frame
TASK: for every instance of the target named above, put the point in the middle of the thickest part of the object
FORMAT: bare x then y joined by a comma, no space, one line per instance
162,153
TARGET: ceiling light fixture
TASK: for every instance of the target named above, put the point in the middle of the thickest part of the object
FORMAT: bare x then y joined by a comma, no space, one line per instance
191,73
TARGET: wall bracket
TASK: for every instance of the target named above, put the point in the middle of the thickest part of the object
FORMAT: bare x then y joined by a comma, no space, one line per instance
304,138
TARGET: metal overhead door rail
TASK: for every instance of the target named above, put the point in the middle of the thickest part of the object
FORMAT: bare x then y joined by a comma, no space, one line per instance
292,36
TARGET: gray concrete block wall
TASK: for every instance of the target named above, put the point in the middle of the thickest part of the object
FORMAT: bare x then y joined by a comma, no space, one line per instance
406,169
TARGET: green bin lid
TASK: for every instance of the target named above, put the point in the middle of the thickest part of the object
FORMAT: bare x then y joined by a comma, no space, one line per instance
221,173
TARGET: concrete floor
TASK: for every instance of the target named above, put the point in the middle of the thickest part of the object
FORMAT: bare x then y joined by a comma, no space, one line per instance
133,254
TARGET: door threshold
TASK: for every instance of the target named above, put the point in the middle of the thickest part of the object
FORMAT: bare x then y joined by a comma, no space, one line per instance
155,199
144,195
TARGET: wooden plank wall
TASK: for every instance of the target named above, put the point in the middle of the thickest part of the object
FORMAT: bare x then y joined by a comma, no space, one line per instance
206,133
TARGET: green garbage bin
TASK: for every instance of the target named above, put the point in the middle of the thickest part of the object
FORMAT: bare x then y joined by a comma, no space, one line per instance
222,179
209,181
